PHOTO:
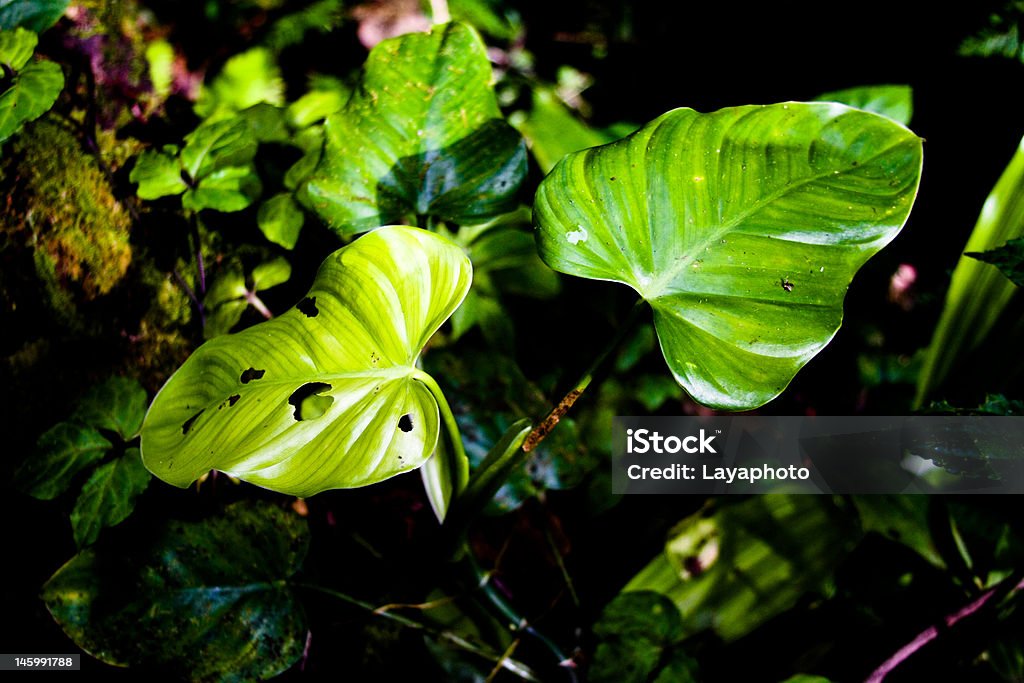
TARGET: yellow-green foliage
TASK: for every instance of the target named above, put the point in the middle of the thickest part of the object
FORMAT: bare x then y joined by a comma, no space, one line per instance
78,228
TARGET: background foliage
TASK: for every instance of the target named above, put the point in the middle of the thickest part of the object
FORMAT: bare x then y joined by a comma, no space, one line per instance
170,180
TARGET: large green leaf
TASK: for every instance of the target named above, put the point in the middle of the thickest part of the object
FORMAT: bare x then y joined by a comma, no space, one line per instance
326,395
894,101
194,601
741,228
108,497
35,15
734,568
32,93
978,294
422,135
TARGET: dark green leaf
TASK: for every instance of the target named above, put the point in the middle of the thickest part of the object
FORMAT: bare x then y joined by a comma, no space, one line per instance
61,453
33,92
158,175
894,101
637,636
311,142
901,518
217,146
108,497
194,601
1009,259
281,218
782,546
741,228
35,15
267,122
228,189
118,404
422,135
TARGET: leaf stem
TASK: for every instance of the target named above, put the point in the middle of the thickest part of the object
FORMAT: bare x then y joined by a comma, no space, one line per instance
512,665
548,424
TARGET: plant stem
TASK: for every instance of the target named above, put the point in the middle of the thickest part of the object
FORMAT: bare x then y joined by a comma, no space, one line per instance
439,11
514,666
558,412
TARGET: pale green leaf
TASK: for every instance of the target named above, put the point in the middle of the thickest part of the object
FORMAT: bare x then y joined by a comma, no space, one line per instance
108,497
199,601
34,90
271,274
421,135
281,218
248,78
35,15
158,175
316,105
61,452
326,395
978,294
117,404
894,101
741,228
16,47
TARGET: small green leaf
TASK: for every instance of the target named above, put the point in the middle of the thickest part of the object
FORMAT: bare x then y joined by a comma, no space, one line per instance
194,601
316,105
637,636
267,122
281,218
33,92
35,15
118,404
271,274
421,135
16,47
238,403
108,497
894,101
227,189
160,58
1009,259
552,131
158,175
216,146
61,452
741,228
248,78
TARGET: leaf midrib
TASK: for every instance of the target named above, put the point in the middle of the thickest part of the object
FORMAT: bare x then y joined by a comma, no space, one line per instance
658,285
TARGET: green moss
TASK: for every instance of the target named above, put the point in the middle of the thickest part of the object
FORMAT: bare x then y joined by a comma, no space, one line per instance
78,228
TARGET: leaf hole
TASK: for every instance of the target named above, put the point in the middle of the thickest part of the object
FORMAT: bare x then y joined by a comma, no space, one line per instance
251,374
308,307
308,403
186,427
233,399
405,423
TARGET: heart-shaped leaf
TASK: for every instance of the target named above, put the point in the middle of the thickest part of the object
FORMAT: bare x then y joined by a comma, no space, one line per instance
35,15
422,135
741,228
326,395
195,601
